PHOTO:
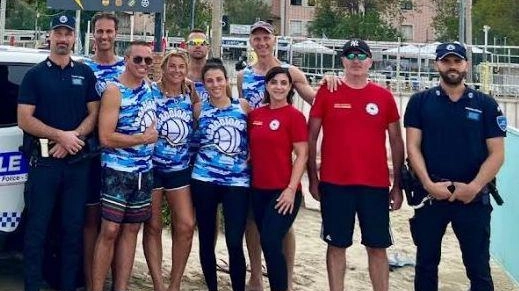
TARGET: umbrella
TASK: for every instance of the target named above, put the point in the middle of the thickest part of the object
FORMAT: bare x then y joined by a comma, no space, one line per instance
309,46
410,51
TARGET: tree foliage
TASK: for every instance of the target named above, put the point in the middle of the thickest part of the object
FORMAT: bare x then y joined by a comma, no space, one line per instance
364,19
178,16
247,11
503,18
445,23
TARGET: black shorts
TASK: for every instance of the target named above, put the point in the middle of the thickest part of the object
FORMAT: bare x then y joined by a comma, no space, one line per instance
171,180
339,204
126,196
94,185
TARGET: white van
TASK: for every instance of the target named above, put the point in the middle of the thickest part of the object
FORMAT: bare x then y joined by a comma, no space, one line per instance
14,63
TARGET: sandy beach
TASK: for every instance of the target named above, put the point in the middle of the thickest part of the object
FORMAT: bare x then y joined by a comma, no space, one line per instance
310,267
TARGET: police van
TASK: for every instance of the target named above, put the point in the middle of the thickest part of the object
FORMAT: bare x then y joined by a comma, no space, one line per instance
14,63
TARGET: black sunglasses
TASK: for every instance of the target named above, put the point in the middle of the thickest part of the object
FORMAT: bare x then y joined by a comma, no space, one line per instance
138,60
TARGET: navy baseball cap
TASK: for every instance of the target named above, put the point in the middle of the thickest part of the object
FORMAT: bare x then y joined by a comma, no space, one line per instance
356,45
63,21
450,48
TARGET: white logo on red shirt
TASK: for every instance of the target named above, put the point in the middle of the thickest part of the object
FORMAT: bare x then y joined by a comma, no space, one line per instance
372,109
274,124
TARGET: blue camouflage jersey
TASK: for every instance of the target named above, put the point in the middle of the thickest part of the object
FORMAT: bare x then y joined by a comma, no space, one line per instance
175,127
223,153
253,86
105,73
136,113
201,91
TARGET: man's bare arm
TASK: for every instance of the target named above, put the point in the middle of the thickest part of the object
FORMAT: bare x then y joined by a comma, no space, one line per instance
239,83
108,118
27,122
314,127
88,124
397,150
301,85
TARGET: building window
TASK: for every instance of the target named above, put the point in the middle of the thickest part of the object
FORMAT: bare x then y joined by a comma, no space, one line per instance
406,5
296,2
310,2
407,31
296,28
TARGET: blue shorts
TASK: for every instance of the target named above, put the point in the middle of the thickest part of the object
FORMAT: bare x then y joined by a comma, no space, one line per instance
340,204
171,180
125,196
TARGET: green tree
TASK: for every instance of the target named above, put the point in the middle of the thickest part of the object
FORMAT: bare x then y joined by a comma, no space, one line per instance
246,11
178,16
355,18
502,16
446,20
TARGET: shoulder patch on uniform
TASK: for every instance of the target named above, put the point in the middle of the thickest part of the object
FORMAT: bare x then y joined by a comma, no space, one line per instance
501,122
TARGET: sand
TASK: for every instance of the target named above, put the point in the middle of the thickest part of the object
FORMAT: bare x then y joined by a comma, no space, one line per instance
310,265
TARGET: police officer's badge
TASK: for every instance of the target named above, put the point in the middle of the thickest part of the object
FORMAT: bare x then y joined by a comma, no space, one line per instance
372,109
501,122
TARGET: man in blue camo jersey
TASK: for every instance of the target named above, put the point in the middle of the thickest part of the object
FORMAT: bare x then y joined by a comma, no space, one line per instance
106,66
127,132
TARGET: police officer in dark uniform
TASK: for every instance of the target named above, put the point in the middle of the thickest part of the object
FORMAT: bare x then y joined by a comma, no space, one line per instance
57,110
455,143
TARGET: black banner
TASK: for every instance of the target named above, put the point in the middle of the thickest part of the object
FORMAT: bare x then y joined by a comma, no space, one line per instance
108,5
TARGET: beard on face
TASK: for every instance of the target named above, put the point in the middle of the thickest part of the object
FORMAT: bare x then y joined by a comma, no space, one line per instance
452,79
62,49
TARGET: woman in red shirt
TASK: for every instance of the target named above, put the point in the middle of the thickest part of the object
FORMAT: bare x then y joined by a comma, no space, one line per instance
277,130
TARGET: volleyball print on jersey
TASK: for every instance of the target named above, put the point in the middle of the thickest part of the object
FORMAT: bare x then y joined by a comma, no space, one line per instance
136,113
175,127
222,157
227,140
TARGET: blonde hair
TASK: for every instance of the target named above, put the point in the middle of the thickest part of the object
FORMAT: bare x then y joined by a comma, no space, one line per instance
179,53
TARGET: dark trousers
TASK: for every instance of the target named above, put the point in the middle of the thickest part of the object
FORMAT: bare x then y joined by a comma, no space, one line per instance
273,227
235,201
50,180
471,225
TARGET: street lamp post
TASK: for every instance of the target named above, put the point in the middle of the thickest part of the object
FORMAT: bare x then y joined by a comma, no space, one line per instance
486,28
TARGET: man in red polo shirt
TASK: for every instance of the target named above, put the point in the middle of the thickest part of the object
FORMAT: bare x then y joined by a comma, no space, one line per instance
354,175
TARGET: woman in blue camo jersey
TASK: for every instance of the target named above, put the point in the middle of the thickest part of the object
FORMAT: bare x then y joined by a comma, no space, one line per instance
171,171
221,174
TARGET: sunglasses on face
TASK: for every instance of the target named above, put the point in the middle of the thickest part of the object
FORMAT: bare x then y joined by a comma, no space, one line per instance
138,60
197,41
358,56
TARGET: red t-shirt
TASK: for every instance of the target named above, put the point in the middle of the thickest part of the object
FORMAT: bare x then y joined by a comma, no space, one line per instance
354,123
272,133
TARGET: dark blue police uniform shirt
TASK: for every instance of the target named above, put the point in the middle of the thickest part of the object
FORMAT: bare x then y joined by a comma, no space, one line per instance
454,133
60,95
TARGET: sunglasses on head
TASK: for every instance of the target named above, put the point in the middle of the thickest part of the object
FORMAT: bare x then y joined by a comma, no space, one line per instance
197,41
358,56
138,60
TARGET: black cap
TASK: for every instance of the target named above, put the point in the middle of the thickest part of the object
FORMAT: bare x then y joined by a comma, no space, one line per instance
63,21
356,45
450,48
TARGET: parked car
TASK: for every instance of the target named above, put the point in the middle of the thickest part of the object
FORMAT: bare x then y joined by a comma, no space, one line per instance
14,63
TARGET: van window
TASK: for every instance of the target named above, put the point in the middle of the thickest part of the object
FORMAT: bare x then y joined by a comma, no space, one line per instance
10,78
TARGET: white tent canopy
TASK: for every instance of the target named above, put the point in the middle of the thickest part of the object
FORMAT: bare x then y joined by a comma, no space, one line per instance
410,51
309,46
